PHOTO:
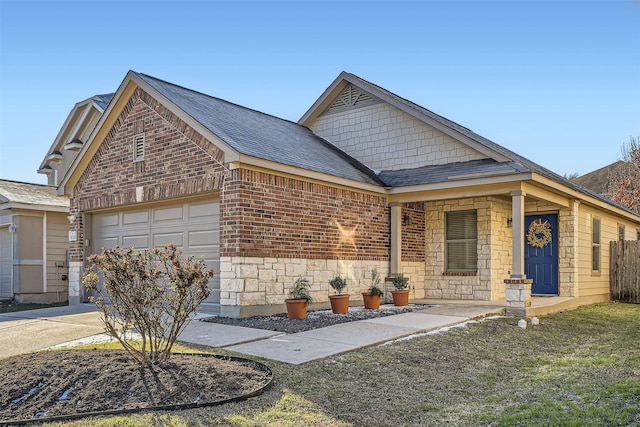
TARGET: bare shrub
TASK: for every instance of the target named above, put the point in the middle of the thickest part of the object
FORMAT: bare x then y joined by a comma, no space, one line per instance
156,292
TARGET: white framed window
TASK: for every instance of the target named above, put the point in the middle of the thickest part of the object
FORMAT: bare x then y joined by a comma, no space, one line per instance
461,241
595,244
138,147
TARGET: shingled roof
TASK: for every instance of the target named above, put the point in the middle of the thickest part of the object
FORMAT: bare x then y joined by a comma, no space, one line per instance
599,179
260,135
30,194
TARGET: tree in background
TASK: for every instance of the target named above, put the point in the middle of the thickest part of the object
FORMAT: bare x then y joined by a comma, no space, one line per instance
624,186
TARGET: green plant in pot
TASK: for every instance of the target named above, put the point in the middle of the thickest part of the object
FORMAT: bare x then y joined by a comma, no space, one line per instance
299,299
372,296
401,293
340,301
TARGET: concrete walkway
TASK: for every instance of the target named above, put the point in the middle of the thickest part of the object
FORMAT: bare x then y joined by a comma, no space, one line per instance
35,330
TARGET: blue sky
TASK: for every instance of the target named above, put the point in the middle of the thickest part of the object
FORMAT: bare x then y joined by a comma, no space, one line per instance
555,81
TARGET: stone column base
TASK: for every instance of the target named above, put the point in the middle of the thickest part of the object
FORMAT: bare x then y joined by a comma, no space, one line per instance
518,296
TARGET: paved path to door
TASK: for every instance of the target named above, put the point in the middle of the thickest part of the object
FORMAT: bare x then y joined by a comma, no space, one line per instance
35,330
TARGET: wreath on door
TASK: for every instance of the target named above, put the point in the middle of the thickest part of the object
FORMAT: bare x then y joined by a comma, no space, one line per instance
539,234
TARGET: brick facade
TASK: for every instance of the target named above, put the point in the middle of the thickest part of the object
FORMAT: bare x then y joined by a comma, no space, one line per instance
178,162
264,215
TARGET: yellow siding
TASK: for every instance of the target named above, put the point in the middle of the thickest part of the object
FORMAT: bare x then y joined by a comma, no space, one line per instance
594,283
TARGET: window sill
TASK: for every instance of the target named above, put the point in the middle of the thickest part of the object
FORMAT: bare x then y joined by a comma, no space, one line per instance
460,273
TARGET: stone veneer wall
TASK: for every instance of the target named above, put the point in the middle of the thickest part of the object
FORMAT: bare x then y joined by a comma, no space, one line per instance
259,285
494,251
385,138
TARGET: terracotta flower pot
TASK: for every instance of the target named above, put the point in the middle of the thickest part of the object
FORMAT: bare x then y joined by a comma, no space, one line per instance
339,303
371,302
296,308
400,298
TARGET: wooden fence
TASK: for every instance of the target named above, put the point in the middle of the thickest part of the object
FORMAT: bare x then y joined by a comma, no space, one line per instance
624,270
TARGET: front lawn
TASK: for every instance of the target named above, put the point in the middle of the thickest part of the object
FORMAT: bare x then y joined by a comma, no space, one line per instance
7,306
579,368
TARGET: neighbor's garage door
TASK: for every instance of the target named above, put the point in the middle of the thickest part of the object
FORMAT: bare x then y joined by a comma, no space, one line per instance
6,264
194,226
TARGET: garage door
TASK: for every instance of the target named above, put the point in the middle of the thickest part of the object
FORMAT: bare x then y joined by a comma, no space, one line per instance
6,261
194,226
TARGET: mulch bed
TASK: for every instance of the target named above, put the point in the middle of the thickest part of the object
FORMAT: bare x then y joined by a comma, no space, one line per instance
68,383
315,319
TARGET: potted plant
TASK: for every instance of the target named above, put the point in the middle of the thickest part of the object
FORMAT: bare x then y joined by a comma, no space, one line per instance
372,296
299,299
340,301
401,294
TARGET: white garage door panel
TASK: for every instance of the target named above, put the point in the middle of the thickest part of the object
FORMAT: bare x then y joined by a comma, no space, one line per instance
166,238
138,242
203,210
201,239
137,218
193,226
168,214
107,220
105,242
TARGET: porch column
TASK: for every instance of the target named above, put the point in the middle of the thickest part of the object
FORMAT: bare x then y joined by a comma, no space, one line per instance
396,239
517,216
518,287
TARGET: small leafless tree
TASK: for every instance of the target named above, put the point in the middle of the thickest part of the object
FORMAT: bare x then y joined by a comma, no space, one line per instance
624,185
156,292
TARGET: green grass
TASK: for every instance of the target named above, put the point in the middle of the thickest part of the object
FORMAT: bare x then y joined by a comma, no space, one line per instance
11,307
578,368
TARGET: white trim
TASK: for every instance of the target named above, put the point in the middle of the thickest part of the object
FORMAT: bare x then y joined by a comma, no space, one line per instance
301,173
57,142
44,252
46,208
27,261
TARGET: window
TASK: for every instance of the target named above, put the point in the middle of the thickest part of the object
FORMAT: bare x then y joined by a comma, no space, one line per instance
620,232
638,234
138,147
595,244
461,236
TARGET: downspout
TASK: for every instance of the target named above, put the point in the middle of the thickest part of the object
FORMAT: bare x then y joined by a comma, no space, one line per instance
395,259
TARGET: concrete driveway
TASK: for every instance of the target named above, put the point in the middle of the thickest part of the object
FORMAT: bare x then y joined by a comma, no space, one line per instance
33,330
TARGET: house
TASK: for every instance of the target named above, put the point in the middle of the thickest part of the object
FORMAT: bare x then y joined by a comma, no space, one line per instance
33,243
598,180
365,179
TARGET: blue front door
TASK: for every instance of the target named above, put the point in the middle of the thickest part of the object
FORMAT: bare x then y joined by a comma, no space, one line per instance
541,253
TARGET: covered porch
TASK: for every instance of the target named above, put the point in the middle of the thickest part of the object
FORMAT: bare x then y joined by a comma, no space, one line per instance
499,275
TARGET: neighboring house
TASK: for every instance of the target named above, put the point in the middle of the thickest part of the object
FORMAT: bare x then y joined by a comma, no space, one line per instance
34,234
598,180
365,179
80,122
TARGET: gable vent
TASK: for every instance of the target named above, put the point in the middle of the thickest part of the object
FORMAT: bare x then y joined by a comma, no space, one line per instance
138,147
351,97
